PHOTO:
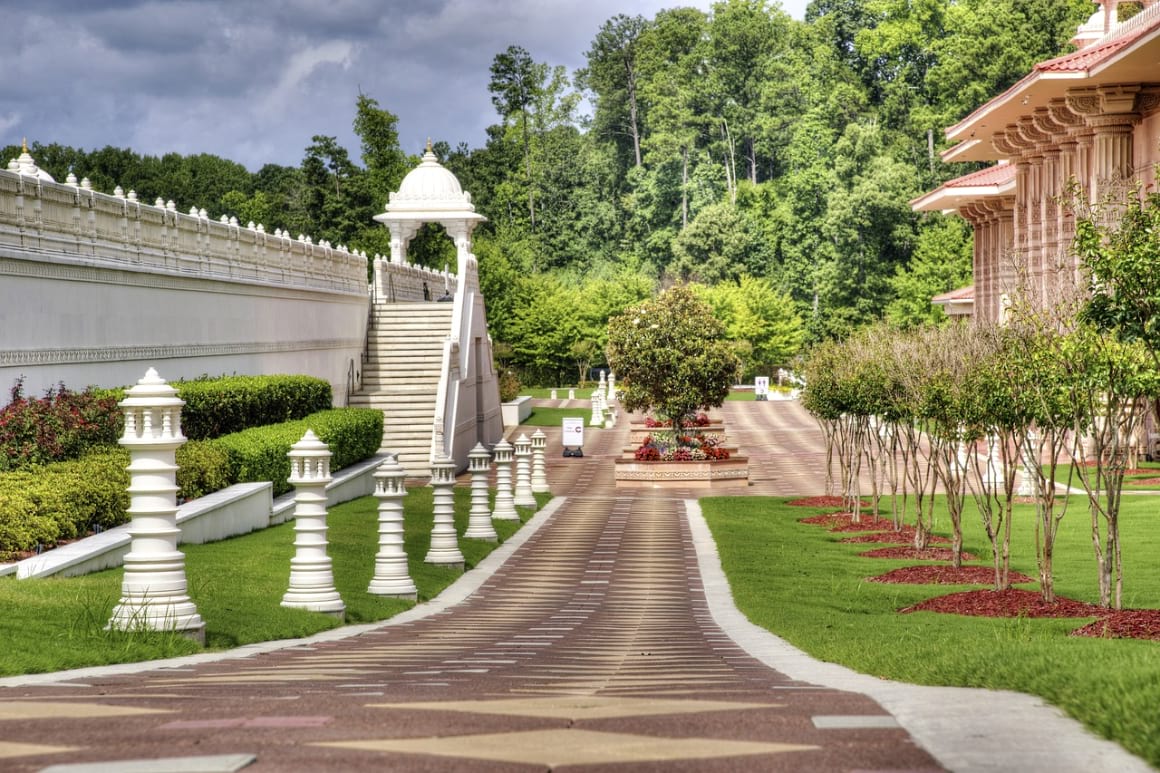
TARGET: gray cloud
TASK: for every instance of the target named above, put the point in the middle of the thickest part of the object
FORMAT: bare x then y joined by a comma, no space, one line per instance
253,80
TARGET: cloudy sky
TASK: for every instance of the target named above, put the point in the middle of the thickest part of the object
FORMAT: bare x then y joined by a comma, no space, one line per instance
252,80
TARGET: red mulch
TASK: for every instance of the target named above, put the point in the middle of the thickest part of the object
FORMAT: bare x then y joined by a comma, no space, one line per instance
844,521
944,575
1005,603
1124,624
828,501
926,554
1144,482
903,537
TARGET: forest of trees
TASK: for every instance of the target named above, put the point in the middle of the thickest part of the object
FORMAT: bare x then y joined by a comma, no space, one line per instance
767,160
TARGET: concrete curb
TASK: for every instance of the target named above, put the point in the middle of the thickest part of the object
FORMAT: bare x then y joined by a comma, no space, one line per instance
965,729
453,594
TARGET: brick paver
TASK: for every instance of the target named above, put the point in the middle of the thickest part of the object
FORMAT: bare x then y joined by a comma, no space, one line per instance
592,648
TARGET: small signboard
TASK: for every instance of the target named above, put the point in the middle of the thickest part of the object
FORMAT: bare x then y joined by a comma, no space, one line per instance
761,387
573,439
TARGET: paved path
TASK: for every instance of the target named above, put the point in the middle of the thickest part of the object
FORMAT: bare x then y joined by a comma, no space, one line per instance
598,645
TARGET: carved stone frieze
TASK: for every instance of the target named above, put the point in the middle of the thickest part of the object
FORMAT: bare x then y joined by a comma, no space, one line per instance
156,352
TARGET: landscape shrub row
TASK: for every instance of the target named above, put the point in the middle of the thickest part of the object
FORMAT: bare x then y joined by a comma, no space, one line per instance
64,500
65,425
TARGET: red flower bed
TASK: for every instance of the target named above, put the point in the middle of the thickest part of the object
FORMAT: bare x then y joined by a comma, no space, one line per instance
1005,603
1124,624
700,420
944,575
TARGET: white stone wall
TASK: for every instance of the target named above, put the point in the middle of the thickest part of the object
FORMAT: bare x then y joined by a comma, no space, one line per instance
96,288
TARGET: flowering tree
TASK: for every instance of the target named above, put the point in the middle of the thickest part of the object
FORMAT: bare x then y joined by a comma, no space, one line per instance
670,355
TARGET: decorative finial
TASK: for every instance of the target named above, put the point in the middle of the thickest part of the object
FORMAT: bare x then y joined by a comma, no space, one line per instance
24,145
428,144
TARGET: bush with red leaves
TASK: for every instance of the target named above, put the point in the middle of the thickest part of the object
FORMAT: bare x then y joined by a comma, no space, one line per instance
60,426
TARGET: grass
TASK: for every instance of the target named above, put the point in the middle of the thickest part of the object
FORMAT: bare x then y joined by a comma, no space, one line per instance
545,393
1131,482
801,583
237,585
554,417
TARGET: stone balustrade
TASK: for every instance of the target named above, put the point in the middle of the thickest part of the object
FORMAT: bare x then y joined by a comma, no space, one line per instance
74,219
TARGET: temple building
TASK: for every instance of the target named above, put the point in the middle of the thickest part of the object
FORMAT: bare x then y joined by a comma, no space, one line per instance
1092,117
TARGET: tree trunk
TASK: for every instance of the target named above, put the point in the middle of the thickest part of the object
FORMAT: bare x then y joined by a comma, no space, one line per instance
634,124
684,187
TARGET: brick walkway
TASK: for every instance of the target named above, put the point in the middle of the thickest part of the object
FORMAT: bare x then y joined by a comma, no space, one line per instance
591,649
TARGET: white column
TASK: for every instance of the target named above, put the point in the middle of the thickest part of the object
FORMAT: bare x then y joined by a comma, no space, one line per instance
505,508
311,576
597,419
391,577
444,541
611,387
523,490
1027,484
539,466
479,519
154,591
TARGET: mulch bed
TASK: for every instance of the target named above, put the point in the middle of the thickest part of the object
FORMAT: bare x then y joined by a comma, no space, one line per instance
903,537
844,521
1005,603
827,501
913,554
1124,624
944,575
1144,482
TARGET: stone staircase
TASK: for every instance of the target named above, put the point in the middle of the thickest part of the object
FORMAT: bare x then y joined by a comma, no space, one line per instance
401,376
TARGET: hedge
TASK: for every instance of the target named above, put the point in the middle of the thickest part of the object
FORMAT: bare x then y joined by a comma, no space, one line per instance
63,500
258,454
221,406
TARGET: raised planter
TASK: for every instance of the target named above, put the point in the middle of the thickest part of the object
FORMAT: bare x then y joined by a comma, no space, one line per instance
638,431
517,411
724,473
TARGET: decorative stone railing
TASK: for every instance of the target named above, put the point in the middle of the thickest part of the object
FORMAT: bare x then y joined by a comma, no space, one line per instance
398,282
74,220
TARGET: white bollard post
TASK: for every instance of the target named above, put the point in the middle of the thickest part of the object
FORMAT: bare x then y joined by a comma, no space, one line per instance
597,418
479,519
571,394
554,394
602,391
311,576
391,577
505,508
611,387
523,490
539,466
994,475
154,589
444,541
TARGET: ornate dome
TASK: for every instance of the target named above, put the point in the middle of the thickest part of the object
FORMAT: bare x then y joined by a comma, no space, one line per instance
430,188
26,166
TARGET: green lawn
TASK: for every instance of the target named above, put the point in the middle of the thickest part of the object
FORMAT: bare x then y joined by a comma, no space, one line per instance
1132,482
561,393
554,417
801,583
237,584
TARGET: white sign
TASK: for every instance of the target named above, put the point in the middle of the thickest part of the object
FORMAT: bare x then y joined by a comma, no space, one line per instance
573,433
761,386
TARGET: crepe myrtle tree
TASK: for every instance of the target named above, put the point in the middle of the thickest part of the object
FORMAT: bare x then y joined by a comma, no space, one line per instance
670,355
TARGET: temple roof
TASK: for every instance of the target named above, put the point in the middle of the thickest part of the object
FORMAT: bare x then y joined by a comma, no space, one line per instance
429,192
997,180
1128,54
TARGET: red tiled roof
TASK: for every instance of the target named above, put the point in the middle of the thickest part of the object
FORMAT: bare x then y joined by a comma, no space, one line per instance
962,294
992,175
1089,57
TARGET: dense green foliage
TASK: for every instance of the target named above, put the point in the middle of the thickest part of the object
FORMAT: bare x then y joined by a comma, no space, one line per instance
733,143
802,583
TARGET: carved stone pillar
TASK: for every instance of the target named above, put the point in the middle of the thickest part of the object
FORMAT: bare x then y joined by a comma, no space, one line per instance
1110,113
444,549
392,576
505,508
311,575
153,589
479,518
523,490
